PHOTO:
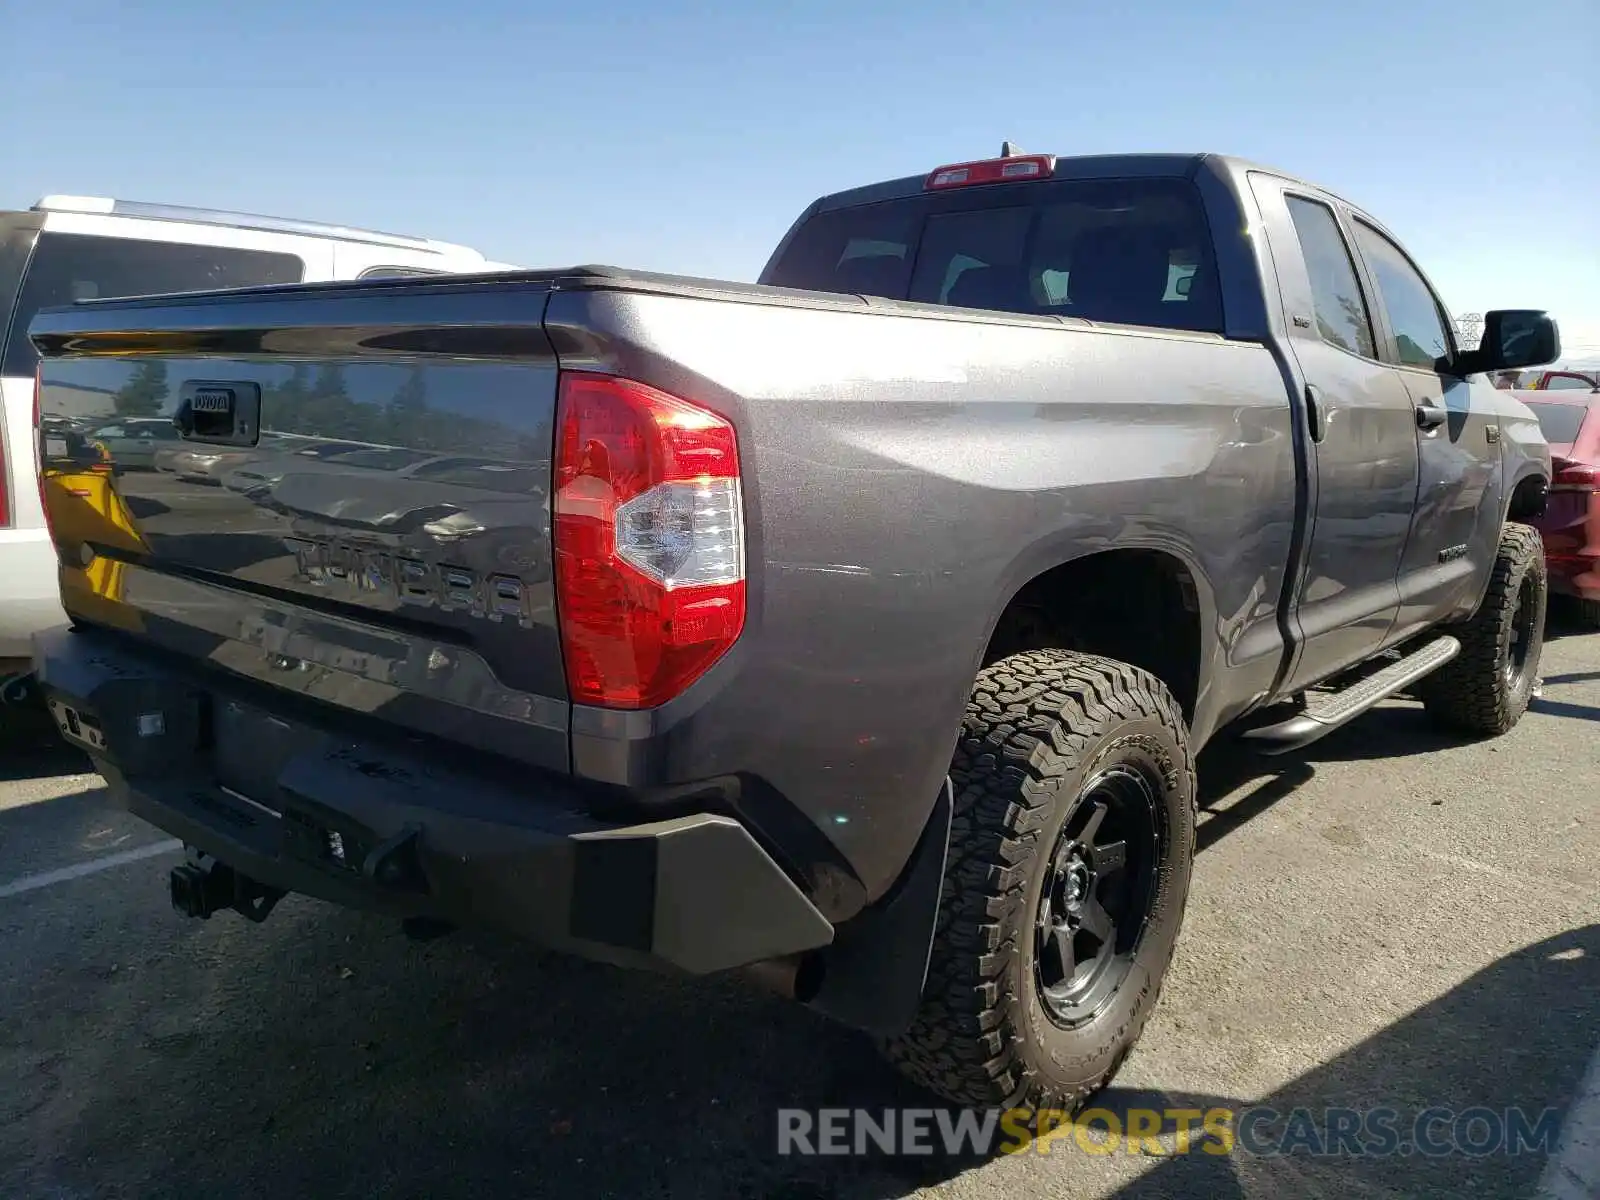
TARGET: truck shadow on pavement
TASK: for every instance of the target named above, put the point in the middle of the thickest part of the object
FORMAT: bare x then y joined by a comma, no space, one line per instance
324,1055
1564,618
38,754
335,1061
1238,784
1518,1035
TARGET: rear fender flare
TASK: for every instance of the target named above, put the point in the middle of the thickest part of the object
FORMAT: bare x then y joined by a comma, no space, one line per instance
1055,550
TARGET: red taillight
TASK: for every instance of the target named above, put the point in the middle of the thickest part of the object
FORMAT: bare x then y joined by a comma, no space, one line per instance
14,452
992,170
1569,476
649,540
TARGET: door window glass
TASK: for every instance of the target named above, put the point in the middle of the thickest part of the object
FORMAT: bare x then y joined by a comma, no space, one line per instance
1340,308
1414,314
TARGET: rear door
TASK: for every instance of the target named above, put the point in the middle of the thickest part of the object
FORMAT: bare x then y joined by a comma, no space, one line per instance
1455,525
1363,442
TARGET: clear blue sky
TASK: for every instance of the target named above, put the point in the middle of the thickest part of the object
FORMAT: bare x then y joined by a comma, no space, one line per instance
685,137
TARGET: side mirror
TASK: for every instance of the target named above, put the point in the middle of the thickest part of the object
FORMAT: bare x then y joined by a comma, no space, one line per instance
1513,338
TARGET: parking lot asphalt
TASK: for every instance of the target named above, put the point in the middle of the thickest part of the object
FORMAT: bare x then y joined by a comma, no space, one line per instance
1388,918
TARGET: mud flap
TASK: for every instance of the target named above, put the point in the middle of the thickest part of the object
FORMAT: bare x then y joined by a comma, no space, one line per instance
873,973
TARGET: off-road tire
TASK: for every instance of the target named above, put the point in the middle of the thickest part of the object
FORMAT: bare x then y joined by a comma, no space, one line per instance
1471,694
1038,725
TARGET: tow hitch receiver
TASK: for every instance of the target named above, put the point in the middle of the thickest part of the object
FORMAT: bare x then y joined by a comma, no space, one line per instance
203,886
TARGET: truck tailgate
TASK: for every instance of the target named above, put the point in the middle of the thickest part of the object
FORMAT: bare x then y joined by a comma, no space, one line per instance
348,496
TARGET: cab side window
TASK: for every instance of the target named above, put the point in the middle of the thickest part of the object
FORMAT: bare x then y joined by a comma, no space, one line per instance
1418,322
1341,310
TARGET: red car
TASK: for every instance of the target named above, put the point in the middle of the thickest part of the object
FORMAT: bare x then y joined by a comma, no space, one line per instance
1559,381
1571,522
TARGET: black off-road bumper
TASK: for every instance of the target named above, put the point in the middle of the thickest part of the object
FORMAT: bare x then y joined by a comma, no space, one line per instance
297,807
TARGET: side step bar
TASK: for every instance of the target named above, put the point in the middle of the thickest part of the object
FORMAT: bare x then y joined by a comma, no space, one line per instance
1326,713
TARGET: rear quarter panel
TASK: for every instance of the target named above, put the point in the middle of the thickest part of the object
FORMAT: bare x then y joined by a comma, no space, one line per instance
906,473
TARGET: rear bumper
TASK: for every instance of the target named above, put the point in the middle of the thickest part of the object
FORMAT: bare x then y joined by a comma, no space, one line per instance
303,809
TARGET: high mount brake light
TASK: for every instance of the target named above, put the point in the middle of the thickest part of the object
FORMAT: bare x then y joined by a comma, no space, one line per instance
649,540
992,170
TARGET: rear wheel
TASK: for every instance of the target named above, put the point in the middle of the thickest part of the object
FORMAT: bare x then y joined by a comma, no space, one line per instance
1069,865
1486,688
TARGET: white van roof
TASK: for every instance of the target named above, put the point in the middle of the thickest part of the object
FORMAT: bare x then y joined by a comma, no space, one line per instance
106,206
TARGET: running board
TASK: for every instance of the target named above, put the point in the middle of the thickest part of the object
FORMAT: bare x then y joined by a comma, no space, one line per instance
1327,712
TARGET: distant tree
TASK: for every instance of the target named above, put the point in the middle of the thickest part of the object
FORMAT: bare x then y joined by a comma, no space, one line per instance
332,411
284,406
408,410
329,384
146,388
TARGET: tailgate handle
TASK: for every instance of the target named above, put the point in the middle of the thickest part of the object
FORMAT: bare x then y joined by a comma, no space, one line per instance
227,412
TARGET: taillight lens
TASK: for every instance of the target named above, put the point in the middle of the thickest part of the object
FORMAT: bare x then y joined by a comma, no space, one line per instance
1568,476
15,453
649,540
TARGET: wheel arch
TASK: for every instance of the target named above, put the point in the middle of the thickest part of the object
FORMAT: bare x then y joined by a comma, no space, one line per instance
1143,603
1528,494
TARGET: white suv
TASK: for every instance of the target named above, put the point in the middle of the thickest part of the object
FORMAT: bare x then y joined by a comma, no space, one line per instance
68,248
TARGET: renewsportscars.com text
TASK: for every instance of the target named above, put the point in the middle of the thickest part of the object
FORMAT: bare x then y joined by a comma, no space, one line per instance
1262,1131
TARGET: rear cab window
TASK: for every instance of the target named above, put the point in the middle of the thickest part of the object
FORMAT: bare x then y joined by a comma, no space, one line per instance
1125,251
67,267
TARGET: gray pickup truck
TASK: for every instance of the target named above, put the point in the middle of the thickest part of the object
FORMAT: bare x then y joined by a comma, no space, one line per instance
856,629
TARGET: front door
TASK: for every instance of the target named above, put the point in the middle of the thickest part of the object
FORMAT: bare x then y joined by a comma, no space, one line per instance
1363,448
1455,528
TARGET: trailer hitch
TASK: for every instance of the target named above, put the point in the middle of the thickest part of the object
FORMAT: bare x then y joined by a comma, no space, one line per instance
203,886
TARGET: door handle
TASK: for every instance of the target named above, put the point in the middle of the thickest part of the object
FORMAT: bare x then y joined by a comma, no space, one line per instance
1431,416
1316,412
